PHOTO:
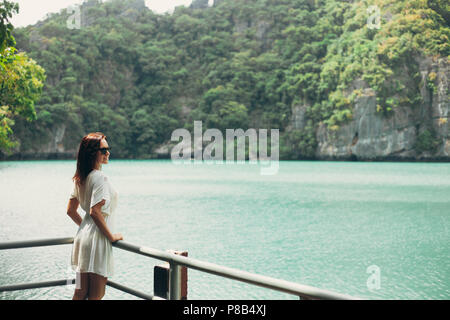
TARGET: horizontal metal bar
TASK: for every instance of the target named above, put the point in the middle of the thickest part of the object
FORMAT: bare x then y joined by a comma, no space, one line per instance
37,285
131,291
55,283
34,243
304,291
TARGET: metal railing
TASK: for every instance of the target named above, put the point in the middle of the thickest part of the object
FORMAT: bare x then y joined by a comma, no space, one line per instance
176,262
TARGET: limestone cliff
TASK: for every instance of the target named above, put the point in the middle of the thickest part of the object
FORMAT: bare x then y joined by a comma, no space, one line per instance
371,135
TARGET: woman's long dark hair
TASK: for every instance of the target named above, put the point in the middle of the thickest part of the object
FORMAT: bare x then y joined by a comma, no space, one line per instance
87,155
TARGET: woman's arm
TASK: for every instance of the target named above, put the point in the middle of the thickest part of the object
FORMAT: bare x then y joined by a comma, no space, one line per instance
96,214
72,210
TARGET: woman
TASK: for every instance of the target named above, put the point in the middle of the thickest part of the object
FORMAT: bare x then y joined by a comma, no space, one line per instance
92,257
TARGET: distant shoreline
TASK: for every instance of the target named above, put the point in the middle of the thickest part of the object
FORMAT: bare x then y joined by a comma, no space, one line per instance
71,156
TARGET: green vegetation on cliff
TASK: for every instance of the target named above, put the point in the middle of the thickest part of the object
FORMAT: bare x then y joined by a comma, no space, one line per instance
21,80
136,75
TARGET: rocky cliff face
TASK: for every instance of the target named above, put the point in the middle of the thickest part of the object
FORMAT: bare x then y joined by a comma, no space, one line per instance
370,135
54,147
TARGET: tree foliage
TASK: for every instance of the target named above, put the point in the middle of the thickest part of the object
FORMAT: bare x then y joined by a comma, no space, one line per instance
21,80
239,64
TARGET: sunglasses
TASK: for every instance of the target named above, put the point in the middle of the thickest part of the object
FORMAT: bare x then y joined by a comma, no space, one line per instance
104,150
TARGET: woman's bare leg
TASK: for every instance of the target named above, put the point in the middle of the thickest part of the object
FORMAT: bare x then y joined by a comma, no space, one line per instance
82,292
97,285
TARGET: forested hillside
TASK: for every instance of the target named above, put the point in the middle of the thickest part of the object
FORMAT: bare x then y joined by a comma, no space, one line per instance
21,79
301,66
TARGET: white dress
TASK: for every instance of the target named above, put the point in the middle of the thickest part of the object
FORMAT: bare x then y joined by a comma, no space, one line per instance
91,250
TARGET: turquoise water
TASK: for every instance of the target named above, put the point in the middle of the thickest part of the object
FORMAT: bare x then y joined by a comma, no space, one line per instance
316,223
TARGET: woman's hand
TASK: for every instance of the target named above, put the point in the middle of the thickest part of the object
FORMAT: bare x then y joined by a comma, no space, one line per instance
117,237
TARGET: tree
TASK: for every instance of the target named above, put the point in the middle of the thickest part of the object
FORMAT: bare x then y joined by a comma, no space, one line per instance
7,9
21,80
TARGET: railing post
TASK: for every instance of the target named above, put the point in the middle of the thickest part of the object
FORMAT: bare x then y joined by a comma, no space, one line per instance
175,281
170,280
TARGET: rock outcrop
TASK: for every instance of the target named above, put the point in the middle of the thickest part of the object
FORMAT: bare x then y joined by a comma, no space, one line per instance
371,135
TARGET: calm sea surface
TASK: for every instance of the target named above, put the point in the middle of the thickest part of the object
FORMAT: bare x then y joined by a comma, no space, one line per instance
317,223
